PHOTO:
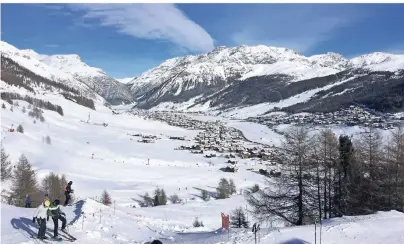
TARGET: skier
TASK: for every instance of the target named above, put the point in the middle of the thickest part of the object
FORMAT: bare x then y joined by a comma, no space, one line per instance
68,190
27,201
56,214
41,215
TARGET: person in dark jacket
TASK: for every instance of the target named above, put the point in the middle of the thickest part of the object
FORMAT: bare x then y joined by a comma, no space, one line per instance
27,201
68,190
57,214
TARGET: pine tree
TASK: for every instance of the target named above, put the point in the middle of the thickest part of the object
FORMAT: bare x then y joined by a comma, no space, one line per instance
24,182
394,152
20,129
53,185
162,197
289,197
197,223
3,106
232,187
6,169
370,156
223,190
157,194
238,219
325,155
106,198
23,109
345,173
146,201
204,195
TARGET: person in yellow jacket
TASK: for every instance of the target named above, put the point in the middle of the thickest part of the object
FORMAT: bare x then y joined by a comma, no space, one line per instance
41,214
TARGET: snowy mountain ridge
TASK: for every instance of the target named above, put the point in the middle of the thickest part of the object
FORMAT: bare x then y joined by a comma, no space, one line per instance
70,70
180,79
30,60
220,75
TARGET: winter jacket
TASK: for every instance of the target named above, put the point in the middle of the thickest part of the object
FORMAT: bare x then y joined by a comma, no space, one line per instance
27,199
68,189
54,211
41,212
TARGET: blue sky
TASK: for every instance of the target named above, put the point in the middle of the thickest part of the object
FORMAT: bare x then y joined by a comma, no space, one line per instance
127,39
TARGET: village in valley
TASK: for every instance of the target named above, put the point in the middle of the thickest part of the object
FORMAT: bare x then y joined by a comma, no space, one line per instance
351,116
216,140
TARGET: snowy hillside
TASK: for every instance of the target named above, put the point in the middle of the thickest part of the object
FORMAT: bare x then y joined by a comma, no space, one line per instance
379,62
69,70
92,222
109,88
31,61
96,157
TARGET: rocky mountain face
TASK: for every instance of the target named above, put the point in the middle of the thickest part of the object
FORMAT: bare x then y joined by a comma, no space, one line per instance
240,76
99,81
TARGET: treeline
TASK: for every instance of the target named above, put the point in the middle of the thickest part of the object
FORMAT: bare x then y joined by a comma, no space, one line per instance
159,198
24,182
14,74
8,96
89,103
324,176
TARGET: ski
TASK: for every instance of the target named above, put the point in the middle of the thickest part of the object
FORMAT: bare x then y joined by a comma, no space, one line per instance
68,234
42,240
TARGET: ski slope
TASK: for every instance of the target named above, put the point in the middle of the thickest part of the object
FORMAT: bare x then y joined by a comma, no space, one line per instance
92,222
120,166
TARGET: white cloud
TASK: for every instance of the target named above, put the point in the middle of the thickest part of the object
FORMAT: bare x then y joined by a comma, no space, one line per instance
150,21
300,27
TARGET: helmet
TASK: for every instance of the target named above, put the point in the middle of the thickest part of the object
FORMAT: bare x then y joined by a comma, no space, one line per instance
47,203
70,182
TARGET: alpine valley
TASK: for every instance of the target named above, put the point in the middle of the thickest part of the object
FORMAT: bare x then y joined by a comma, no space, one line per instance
231,78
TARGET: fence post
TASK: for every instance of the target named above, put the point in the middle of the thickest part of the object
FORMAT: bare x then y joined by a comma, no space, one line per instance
321,227
315,232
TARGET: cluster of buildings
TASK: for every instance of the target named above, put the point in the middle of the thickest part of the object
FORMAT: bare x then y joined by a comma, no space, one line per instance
350,116
215,140
144,138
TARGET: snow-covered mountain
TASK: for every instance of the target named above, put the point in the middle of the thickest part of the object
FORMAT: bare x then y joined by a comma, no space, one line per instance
224,78
70,70
97,79
30,60
214,70
125,80
230,77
